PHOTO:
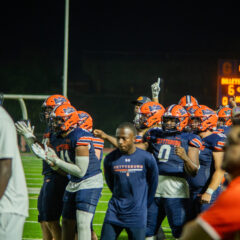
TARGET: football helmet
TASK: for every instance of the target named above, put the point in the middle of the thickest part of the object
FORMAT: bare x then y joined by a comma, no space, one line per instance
63,117
50,103
85,121
148,114
224,116
188,101
192,109
206,119
178,114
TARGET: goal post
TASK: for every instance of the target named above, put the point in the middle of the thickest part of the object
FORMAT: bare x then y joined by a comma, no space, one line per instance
21,98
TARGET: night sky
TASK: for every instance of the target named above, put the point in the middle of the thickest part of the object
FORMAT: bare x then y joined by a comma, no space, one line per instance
37,26
32,40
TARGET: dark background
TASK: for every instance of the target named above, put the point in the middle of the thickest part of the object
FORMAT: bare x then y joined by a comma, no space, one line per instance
115,53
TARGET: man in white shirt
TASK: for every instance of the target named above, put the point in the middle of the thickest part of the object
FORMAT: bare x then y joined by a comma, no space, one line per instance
13,189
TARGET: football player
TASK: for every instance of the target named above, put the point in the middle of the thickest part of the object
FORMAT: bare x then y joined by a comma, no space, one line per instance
224,119
149,115
176,153
50,198
74,154
205,186
86,122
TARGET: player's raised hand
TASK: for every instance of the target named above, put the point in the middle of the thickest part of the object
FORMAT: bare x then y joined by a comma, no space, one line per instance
156,88
99,133
25,129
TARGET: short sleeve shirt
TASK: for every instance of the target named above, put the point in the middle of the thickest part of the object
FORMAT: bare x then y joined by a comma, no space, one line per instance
222,219
15,197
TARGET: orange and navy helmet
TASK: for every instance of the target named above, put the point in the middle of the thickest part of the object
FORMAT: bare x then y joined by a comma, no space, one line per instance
50,103
63,118
85,121
177,113
188,101
149,113
192,109
207,118
224,116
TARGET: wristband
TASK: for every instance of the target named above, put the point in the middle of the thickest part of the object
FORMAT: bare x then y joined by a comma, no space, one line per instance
210,191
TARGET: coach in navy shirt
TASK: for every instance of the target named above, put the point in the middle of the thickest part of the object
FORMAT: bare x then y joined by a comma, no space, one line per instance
132,176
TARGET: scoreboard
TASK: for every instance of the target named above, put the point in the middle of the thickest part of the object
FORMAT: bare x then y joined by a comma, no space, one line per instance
228,81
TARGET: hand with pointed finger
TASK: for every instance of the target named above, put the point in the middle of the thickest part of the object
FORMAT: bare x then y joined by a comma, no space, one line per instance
156,88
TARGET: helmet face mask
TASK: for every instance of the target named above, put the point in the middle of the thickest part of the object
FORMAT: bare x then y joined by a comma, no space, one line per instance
195,123
208,118
148,114
63,118
170,123
175,118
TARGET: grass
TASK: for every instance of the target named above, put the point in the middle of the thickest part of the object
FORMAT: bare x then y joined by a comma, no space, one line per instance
32,168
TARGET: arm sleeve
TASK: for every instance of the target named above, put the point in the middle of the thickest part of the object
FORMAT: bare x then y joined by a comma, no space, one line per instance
152,178
108,173
78,169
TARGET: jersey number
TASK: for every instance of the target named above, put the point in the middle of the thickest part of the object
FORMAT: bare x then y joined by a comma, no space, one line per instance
164,153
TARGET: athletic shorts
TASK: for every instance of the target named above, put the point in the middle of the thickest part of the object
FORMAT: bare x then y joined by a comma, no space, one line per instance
85,200
11,226
50,200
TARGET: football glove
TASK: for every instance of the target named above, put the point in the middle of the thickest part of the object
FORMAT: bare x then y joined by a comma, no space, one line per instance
25,129
156,88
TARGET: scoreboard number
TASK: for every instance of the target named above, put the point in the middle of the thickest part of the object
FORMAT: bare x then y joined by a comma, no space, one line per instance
228,84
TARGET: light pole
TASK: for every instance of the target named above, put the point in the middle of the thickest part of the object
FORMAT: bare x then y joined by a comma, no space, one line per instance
65,63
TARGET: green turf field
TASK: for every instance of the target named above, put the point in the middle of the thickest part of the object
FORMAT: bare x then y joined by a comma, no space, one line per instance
32,230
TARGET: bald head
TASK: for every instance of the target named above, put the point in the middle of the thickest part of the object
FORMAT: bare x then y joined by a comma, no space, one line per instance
126,136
